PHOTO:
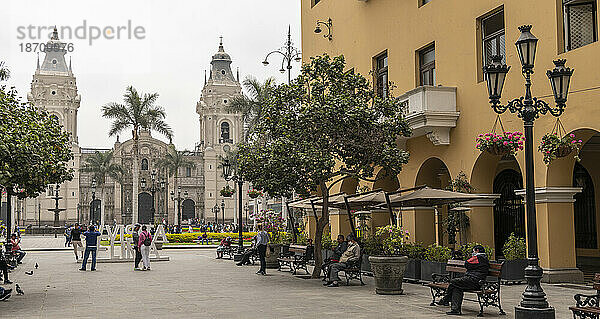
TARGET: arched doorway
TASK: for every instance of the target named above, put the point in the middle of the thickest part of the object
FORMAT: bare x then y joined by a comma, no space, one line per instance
145,208
585,209
429,223
95,211
349,186
188,211
509,211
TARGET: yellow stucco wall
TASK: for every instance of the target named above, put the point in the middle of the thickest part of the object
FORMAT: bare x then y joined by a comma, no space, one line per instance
363,29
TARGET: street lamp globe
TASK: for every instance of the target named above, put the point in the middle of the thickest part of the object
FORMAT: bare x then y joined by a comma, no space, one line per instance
318,29
153,175
560,77
143,183
265,62
282,70
526,46
495,74
162,183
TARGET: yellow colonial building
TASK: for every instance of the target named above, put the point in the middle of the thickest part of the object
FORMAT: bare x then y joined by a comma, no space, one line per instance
433,52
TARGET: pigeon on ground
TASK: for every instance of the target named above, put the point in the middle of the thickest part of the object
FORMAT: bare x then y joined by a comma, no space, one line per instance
19,290
36,266
30,273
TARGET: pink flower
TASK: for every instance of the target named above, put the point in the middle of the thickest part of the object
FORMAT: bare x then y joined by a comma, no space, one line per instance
505,143
579,141
572,135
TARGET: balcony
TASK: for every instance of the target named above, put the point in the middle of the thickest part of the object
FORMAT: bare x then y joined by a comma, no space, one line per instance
431,111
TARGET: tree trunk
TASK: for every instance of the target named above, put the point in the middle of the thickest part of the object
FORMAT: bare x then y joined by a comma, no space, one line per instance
321,223
8,215
102,205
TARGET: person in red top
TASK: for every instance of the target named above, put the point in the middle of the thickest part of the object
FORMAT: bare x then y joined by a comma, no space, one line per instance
477,270
16,249
225,244
144,245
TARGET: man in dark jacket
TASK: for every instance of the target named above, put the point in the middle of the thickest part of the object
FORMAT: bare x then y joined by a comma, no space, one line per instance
138,253
477,270
337,253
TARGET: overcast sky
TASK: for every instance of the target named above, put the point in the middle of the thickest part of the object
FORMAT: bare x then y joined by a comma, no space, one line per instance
179,39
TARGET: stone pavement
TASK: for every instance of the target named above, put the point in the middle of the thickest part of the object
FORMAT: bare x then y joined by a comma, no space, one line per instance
193,285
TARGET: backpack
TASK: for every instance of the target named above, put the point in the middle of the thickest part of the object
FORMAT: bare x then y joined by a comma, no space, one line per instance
147,241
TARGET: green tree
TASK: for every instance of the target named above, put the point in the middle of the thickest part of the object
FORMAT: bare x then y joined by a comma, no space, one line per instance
326,126
101,166
34,149
137,112
4,72
251,104
172,162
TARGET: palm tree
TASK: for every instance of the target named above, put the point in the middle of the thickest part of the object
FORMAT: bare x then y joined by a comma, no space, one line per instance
172,162
4,72
250,105
136,113
102,166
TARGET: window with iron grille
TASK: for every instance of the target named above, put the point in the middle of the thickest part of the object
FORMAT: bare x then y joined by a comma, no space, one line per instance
188,172
580,23
492,28
427,66
381,74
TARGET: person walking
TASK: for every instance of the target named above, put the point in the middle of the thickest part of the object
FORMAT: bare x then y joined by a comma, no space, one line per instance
76,241
262,239
67,236
136,239
144,245
91,246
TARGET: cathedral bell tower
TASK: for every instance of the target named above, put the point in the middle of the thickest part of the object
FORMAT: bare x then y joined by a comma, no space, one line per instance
219,126
54,88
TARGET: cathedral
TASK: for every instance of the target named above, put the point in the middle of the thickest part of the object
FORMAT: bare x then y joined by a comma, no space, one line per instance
195,193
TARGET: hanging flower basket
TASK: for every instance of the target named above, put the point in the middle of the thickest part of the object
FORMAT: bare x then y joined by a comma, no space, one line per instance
254,193
553,146
227,191
500,144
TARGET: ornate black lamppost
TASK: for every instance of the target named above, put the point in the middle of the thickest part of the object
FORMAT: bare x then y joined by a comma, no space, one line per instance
215,210
179,199
156,186
528,108
229,175
289,53
223,212
92,207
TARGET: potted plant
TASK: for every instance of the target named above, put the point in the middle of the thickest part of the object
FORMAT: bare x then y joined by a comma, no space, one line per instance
466,250
387,263
415,253
254,193
507,143
515,255
272,223
553,146
227,191
434,261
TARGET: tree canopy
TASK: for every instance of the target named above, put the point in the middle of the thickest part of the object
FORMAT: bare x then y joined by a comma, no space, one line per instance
34,149
101,165
324,127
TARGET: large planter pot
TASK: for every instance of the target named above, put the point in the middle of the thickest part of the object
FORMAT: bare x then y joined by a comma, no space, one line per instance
366,264
413,270
430,267
388,273
513,270
273,251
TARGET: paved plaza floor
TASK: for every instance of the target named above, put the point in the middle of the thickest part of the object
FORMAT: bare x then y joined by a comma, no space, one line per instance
195,285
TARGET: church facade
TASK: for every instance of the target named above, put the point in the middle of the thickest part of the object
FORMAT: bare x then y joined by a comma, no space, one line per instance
196,190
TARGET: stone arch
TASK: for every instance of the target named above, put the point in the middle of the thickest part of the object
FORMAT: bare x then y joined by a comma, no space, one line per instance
560,171
349,186
145,208
188,209
433,172
387,183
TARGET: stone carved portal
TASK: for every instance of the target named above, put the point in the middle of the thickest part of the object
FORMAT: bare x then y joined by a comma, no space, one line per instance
118,234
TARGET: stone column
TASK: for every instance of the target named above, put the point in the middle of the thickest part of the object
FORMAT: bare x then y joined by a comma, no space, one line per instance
420,223
556,233
481,220
379,218
340,224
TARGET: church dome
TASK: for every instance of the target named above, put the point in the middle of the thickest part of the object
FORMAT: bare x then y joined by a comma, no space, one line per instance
221,55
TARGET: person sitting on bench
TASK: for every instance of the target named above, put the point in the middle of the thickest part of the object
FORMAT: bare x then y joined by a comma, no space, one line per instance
337,254
225,244
477,269
247,254
16,249
351,254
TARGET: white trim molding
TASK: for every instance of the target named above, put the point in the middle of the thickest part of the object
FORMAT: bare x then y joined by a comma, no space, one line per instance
552,194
